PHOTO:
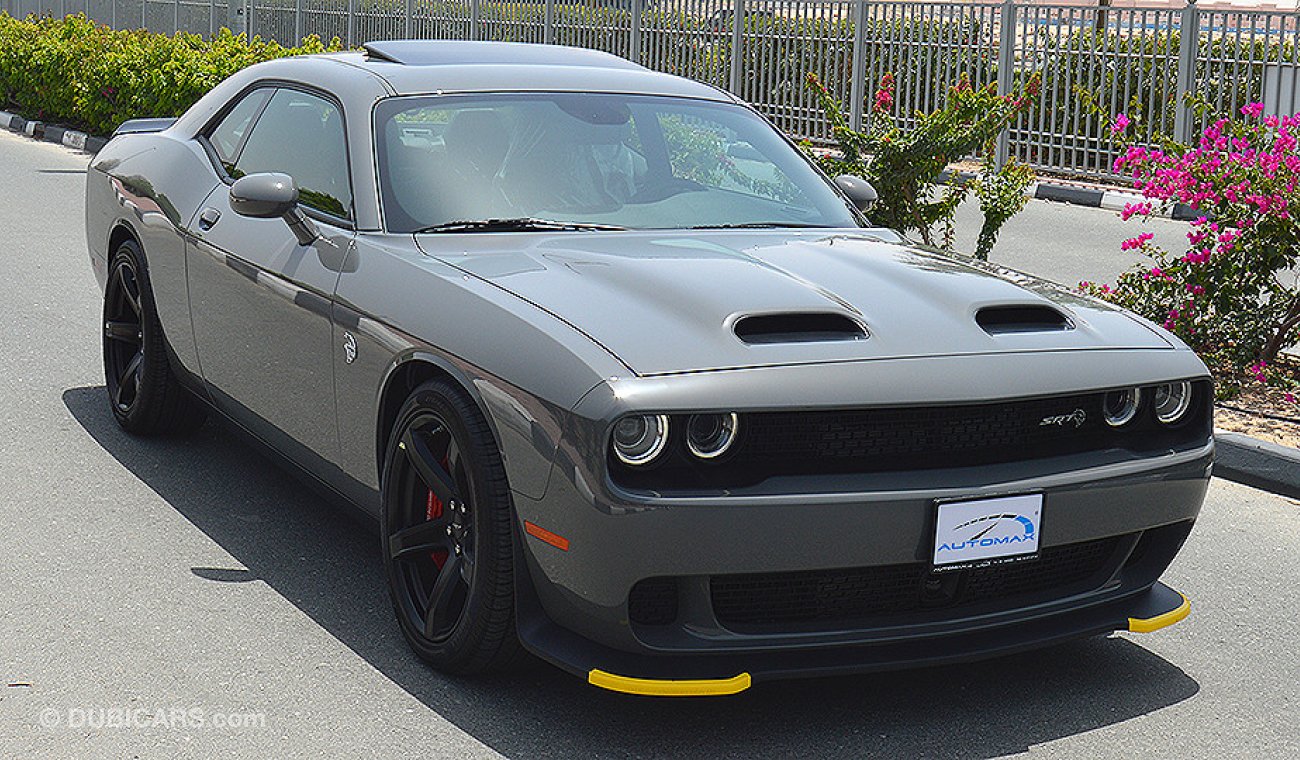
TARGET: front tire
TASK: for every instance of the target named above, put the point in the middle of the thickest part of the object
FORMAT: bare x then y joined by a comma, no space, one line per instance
144,394
447,527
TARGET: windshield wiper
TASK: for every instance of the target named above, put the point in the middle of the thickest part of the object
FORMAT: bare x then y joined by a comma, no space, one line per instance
759,225
521,224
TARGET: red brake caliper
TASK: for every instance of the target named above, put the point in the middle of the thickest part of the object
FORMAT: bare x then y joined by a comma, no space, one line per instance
433,511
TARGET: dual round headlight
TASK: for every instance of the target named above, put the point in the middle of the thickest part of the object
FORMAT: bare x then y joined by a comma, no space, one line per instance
709,436
1120,407
1171,400
640,439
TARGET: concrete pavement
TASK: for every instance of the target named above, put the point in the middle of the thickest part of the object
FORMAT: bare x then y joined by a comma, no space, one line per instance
192,575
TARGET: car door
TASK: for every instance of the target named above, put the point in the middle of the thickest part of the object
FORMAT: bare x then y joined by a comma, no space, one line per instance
260,301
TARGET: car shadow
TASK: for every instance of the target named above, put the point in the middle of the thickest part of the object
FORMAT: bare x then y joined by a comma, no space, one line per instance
328,567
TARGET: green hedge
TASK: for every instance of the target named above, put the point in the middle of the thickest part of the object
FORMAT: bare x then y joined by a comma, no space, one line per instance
76,72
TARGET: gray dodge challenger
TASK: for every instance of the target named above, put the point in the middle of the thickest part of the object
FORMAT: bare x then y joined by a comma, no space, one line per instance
627,383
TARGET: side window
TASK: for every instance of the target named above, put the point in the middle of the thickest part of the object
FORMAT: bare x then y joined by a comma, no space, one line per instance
229,134
302,135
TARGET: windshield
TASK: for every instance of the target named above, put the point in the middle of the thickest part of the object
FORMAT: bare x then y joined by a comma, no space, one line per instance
623,161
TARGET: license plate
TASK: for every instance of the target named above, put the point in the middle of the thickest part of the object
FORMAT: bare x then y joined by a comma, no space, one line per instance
987,531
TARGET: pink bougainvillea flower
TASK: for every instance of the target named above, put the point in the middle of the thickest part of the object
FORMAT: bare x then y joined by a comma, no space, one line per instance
1137,242
1135,209
885,94
1121,123
1253,110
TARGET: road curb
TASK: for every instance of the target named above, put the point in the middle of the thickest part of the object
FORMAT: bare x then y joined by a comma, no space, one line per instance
1114,200
1257,463
70,138
1081,194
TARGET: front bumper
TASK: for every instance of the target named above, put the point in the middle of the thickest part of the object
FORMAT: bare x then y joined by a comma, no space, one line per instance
574,603
715,675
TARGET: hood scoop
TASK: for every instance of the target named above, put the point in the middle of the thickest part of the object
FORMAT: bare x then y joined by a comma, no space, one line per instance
807,327
1011,319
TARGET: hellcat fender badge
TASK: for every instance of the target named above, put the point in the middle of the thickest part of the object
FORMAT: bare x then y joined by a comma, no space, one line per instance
349,348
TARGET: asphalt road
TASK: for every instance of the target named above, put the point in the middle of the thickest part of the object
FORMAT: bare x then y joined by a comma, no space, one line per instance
149,577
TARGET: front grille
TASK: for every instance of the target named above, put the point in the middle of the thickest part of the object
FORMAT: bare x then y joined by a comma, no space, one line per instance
855,594
899,439
925,437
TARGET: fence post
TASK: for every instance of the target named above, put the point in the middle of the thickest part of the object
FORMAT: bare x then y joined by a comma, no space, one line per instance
351,24
297,22
410,17
144,8
858,79
212,18
473,19
634,44
1189,35
176,16
1006,74
737,40
548,23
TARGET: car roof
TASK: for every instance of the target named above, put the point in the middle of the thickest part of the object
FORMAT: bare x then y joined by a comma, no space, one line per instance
465,52
413,67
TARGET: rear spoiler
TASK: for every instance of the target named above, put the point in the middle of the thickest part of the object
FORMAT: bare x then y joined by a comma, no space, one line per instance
138,126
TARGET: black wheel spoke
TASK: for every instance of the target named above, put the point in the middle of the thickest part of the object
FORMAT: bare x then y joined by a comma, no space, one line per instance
419,541
440,598
127,332
130,377
453,461
130,288
428,468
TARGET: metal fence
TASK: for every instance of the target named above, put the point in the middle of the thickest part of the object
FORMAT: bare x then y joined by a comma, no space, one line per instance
1094,61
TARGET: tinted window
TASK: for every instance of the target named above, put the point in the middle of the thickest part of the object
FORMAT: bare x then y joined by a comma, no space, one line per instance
229,134
302,135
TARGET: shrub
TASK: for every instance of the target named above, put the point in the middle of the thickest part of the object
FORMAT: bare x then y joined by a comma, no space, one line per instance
906,164
1232,294
77,72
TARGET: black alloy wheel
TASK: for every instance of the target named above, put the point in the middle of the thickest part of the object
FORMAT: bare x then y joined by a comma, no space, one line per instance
145,396
447,533
123,335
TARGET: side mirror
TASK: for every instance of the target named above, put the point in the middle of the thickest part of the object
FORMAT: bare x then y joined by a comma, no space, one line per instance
859,191
271,195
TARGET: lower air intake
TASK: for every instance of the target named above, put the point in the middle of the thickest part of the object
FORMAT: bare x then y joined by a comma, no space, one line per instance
653,601
864,593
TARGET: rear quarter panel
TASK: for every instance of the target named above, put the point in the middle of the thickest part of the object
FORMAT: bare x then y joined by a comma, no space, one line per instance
153,185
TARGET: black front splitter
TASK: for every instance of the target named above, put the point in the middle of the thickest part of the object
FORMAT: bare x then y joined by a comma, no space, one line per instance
728,673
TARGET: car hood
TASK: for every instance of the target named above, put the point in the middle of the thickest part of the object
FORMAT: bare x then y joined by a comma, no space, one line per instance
665,301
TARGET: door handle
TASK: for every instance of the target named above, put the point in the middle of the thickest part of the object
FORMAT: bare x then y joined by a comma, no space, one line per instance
208,217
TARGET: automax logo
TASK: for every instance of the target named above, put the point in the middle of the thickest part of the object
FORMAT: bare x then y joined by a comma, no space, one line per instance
982,539
984,529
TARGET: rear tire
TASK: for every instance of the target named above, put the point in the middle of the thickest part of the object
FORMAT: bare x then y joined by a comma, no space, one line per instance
448,533
144,394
